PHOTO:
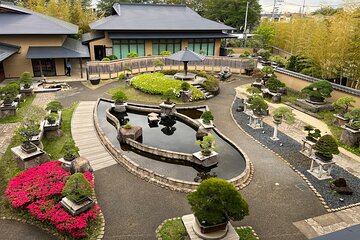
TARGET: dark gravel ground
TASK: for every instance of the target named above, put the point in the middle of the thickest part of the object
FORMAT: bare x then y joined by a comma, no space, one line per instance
290,152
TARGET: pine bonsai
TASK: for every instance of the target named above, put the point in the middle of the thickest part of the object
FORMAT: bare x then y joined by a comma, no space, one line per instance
77,188
159,63
273,84
318,91
29,129
119,97
26,79
313,133
216,201
253,90
52,117
354,116
54,106
326,146
207,116
185,86
207,144
267,70
258,105
343,104
168,95
71,150
283,113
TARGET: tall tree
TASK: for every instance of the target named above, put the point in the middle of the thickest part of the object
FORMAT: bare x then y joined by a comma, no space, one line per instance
265,34
232,12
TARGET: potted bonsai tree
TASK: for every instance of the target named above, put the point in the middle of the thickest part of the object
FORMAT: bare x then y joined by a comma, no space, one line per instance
313,133
273,84
207,144
168,95
29,129
70,150
267,70
159,63
77,190
343,104
280,114
26,80
318,91
51,118
207,117
258,75
214,203
354,119
54,107
258,105
325,147
9,93
119,98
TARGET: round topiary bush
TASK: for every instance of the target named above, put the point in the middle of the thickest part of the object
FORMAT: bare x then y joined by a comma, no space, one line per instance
26,79
54,106
258,105
165,53
132,55
326,146
207,116
216,201
318,91
273,84
77,188
119,97
185,86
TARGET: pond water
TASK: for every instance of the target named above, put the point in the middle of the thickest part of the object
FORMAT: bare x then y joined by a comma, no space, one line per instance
178,137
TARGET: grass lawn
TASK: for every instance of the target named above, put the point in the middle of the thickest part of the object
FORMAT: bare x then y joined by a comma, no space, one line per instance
292,95
175,230
54,146
21,112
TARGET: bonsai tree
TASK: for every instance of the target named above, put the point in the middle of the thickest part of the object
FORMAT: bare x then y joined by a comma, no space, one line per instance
77,188
343,104
127,69
185,86
258,105
354,116
279,60
29,129
54,106
132,55
127,126
165,53
267,70
325,147
318,91
52,117
119,97
159,63
253,91
207,117
216,201
26,80
9,92
207,144
257,74
280,114
71,150
121,76
265,54
313,133
168,95
273,84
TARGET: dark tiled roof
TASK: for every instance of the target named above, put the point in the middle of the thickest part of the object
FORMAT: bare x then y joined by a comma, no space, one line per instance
155,17
87,37
6,50
186,55
166,35
18,20
70,49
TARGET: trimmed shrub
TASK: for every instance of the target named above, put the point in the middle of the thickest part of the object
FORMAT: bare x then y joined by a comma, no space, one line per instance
112,57
211,84
77,188
267,70
169,72
216,201
207,144
273,84
343,104
207,116
185,86
327,146
165,53
121,76
52,117
319,89
54,106
105,59
26,79
132,55
70,150
119,97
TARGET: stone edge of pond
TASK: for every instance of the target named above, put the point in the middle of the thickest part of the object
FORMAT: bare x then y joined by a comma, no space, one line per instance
150,176
313,189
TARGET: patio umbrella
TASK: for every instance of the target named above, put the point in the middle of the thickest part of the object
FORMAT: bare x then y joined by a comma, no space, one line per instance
186,56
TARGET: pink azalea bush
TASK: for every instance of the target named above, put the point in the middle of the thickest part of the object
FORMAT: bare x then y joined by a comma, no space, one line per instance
38,190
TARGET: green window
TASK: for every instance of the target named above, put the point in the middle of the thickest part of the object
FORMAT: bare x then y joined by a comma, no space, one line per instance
122,47
171,45
205,46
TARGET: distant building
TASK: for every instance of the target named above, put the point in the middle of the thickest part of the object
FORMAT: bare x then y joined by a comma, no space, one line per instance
149,29
33,42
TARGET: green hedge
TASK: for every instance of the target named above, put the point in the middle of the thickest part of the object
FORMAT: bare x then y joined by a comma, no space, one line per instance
158,84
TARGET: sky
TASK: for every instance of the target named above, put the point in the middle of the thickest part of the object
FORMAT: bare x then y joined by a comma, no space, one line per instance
294,5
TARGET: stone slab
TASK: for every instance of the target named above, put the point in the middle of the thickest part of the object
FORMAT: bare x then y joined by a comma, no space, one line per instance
313,107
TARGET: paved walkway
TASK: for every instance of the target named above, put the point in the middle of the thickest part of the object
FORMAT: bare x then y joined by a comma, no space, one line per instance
84,135
7,132
14,230
331,222
42,99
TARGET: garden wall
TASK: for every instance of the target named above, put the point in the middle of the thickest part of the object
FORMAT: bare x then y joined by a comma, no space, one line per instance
281,52
242,50
298,81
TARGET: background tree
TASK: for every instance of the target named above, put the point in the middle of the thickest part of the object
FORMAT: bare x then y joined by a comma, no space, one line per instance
265,34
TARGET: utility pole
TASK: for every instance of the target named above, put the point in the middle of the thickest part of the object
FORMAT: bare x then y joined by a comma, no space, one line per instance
303,10
273,12
245,24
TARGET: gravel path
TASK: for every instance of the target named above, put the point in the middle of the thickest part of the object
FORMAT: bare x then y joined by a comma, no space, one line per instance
290,151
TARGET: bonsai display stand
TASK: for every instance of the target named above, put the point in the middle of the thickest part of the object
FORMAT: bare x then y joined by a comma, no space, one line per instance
255,122
55,126
340,120
206,125
27,91
119,108
206,161
8,110
307,147
313,106
134,133
74,208
320,169
182,76
194,232
167,109
66,165
350,137
29,160
247,109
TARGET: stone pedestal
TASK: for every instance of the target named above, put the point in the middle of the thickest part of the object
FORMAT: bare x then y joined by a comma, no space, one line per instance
320,169
167,109
206,125
119,108
8,111
194,232
133,133
350,137
186,96
340,120
29,160
80,164
27,91
74,208
307,147
206,161
313,106
255,122
55,126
